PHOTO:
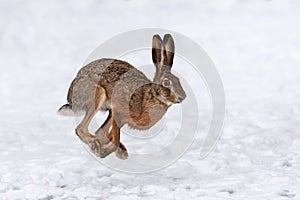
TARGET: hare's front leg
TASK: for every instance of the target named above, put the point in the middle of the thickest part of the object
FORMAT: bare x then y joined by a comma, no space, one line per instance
122,152
115,145
106,137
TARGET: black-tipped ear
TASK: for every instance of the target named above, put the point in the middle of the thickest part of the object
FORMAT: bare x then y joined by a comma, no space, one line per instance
169,50
157,46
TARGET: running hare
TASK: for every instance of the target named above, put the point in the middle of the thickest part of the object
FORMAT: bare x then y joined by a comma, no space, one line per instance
126,93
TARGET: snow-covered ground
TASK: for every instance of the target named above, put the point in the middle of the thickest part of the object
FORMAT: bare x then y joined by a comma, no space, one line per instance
255,46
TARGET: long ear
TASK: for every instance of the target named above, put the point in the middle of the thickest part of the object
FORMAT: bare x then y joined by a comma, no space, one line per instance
157,47
169,50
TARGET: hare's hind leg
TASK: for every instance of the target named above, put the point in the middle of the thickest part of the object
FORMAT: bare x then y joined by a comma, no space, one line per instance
82,129
102,132
85,136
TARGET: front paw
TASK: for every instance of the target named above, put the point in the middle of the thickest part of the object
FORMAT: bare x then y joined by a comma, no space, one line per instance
122,152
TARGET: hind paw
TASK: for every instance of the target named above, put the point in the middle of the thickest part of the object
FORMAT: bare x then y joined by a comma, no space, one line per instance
95,146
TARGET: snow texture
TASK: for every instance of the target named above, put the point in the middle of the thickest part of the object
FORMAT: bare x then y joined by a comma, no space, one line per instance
255,46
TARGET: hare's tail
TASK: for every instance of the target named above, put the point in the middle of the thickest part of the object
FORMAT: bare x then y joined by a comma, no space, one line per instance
66,110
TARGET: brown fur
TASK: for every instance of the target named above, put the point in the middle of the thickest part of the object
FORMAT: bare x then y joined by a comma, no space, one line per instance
129,96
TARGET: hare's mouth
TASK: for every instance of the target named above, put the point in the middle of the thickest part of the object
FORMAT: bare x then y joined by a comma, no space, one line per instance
179,100
176,98
172,99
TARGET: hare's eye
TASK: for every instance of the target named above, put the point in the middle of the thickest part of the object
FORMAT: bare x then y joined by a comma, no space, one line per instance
166,83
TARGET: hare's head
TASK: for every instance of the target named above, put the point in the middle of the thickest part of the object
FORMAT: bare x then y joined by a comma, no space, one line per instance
162,56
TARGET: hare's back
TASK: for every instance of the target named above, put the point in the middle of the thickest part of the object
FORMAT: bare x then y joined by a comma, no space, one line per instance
107,68
109,72
96,67
121,78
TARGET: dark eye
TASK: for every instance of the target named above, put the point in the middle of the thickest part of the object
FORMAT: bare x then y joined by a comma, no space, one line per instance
166,82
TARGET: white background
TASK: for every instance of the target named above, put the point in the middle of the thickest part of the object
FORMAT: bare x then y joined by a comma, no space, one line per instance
255,46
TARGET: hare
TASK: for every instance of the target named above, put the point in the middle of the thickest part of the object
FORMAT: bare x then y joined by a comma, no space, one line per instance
126,93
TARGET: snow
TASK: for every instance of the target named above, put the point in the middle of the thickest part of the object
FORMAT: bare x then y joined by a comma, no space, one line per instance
255,47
